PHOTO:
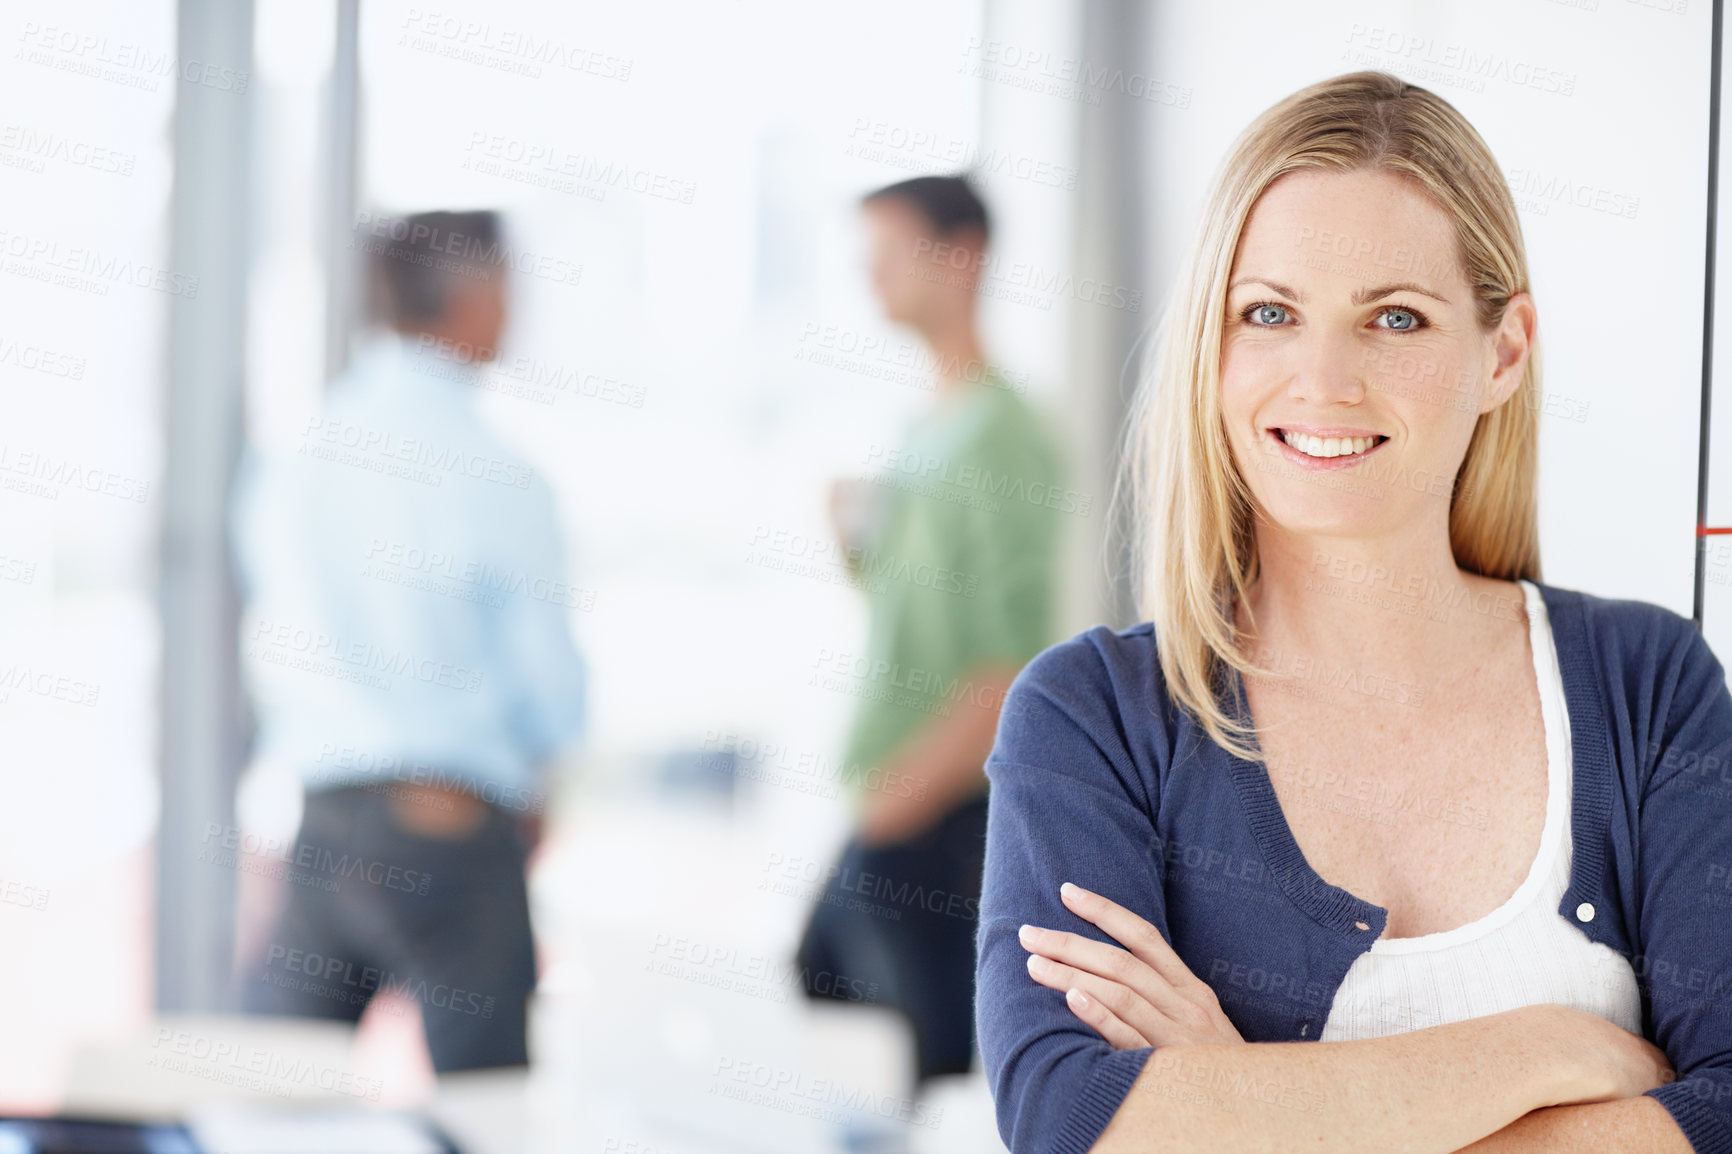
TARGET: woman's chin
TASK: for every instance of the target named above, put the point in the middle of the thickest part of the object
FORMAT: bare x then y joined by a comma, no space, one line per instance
1342,519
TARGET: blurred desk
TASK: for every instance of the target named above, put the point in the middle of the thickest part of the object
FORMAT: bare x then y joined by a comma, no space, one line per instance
669,1020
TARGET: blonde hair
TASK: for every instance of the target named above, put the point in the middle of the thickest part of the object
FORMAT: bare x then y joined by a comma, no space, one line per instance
1193,549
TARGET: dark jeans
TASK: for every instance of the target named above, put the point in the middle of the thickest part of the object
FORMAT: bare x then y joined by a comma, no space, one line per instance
902,918
375,907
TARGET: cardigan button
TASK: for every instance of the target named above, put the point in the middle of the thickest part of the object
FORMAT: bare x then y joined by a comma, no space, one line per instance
1585,912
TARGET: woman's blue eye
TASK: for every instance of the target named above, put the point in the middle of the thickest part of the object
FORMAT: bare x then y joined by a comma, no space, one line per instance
1266,314
1400,319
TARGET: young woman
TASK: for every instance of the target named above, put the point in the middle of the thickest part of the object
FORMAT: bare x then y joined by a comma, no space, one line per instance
1361,779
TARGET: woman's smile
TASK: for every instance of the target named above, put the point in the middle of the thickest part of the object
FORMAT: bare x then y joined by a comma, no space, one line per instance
1325,448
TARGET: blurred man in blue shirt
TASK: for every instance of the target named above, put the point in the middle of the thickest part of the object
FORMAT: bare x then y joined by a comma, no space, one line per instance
408,650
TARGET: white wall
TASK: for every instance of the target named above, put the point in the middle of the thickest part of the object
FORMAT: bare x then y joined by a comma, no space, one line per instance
86,282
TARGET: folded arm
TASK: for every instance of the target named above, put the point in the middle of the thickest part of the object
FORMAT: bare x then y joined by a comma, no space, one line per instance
1490,1084
1491,1081
1631,1125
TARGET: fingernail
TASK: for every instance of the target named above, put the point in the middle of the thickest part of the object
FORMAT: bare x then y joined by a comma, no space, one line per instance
1077,998
1070,890
1028,933
1036,963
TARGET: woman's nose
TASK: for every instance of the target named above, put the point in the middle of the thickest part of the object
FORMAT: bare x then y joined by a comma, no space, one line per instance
1328,369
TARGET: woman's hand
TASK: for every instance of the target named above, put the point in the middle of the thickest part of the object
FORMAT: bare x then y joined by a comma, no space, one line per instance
1139,996
1610,1062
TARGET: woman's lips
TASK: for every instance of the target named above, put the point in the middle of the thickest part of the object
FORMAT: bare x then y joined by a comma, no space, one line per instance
1320,464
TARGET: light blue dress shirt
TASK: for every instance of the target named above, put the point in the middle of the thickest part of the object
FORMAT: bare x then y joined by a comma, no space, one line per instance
408,603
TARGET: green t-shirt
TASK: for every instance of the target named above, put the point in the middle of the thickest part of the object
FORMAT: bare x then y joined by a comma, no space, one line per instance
961,568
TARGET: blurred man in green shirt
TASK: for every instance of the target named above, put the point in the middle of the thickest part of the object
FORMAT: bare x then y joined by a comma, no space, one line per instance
956,537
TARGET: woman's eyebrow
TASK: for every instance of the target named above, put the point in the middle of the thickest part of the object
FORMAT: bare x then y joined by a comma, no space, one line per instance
1363,296
1367,295
1282,289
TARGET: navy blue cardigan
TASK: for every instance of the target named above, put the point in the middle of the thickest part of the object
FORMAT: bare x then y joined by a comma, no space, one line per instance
1099,779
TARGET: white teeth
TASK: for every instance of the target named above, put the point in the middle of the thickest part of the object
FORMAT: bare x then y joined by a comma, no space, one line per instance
1327,446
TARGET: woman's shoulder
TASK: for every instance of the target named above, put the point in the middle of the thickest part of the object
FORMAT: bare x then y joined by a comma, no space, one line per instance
1662,685
1100,654
1091,712
1621,631
1104,682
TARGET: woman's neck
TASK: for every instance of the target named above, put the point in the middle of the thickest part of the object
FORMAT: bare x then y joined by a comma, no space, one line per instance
1399,604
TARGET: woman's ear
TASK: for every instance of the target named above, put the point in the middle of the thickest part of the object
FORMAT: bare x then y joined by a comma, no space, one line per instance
1510,346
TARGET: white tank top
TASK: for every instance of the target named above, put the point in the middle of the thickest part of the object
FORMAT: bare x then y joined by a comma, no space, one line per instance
1522,953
